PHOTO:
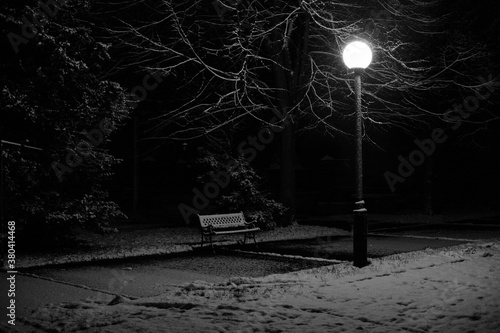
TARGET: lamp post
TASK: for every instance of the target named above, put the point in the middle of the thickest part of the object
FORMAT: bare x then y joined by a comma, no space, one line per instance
357,56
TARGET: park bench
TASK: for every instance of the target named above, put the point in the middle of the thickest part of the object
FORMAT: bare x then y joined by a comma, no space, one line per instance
225,224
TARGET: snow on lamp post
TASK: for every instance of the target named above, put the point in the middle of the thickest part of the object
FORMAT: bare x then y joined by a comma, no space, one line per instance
357,56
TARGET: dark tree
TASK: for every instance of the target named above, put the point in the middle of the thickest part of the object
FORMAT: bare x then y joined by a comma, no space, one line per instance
54,97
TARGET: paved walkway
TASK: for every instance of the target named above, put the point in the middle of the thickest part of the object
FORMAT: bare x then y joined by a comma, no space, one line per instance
100,284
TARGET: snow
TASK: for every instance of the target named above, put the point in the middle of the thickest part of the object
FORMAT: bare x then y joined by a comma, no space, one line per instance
136,243
456,289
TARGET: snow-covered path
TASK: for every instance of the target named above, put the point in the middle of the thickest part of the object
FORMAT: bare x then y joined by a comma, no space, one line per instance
452,290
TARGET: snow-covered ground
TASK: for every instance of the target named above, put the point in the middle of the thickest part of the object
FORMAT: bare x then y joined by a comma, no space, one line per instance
448,290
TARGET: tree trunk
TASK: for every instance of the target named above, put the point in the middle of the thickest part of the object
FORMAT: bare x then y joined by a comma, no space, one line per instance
283,80
287,176
428,182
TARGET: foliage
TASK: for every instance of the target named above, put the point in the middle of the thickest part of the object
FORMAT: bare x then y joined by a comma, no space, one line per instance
52,95
92,211
242,192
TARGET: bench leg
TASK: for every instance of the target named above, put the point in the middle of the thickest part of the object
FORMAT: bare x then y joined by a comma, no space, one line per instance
208,239
211,244
254,240
251,235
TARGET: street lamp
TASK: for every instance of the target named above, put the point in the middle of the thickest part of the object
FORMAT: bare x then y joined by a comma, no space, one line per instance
357,56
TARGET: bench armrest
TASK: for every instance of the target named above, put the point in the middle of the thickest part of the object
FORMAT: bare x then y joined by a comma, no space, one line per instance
251,223
208,229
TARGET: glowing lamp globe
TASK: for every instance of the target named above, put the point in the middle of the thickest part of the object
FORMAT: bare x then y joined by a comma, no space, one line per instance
357,55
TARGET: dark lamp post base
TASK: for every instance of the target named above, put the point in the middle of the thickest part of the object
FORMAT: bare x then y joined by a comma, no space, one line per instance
360,232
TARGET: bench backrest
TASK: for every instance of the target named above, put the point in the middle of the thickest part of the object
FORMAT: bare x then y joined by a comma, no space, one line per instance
222,220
